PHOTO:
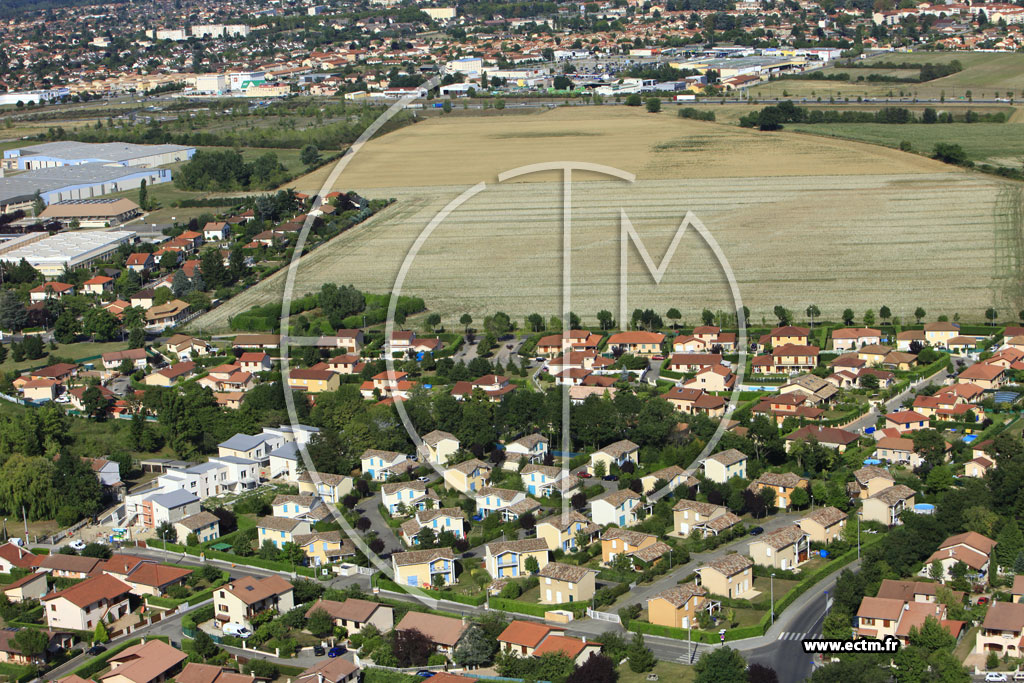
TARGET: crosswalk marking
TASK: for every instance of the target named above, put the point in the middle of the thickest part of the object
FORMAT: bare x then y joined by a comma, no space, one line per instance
788,635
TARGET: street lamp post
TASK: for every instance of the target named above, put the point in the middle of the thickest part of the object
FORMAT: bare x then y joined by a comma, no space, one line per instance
771,584
858,534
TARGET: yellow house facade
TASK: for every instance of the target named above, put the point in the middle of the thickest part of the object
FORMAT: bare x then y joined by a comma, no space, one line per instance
420,567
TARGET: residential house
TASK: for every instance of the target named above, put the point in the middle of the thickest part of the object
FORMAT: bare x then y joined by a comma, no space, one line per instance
354,614
216,231
824,525
677,607
886,506
279,530
494,387
68,566
693,401
329,487
987,376
731,576
81,606
971,548
615,507
978,467
722,466
617,454
13,556
637,343
937,334
833,437
574,340
145,576
151,661
548,480
98,285
313,380
507,559
786,548
205,525
424,568
869,480
693,515
906,421
438,520
506,502
444,632
533,447
522,638
693,362
159,318
1002,630
852,338
331,670
576,649
350,341
625,542
167,377
787,334
113,360
381,465
467,476
50,290
563,530
255,361
673,477
814,389
438,446
879,617
238,601
408,496
29,587
712,378
324,547
561,583
782,485
898,450
787,359
186,347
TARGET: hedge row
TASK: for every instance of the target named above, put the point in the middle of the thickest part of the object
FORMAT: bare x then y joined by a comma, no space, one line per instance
193,599
533,609
252,561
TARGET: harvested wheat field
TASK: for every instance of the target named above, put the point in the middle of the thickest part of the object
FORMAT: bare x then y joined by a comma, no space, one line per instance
801,220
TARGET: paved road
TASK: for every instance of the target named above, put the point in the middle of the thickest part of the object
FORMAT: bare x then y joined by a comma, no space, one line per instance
369,509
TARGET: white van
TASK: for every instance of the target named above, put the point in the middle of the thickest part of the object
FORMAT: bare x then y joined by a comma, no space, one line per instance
233,629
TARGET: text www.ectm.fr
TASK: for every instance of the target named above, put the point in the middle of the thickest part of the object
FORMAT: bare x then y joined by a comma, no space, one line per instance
837,646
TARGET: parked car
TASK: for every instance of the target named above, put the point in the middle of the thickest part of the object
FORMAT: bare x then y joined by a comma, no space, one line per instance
336,651
584,475
424,674
995,677
477,517
983,600
424,479
318,650
611,477
95,650
77,544
757,531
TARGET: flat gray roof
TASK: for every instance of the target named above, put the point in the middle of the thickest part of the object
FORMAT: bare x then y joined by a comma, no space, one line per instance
109,151
67,247
50,179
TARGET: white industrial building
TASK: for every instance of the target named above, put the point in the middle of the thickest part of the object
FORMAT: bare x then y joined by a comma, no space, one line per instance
220,30
78,249
85,181
68,153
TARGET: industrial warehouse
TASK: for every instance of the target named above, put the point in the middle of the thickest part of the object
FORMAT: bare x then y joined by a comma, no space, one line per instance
62,171
51,154
51,255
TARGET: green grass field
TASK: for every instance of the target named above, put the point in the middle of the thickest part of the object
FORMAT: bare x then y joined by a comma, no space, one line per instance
995,143
667,671
986,75
75,351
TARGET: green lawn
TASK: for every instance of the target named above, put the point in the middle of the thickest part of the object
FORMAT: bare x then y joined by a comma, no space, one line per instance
669,672
966,644
984,74
76,351
995,143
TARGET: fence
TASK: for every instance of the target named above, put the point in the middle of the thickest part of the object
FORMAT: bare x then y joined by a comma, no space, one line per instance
604,616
